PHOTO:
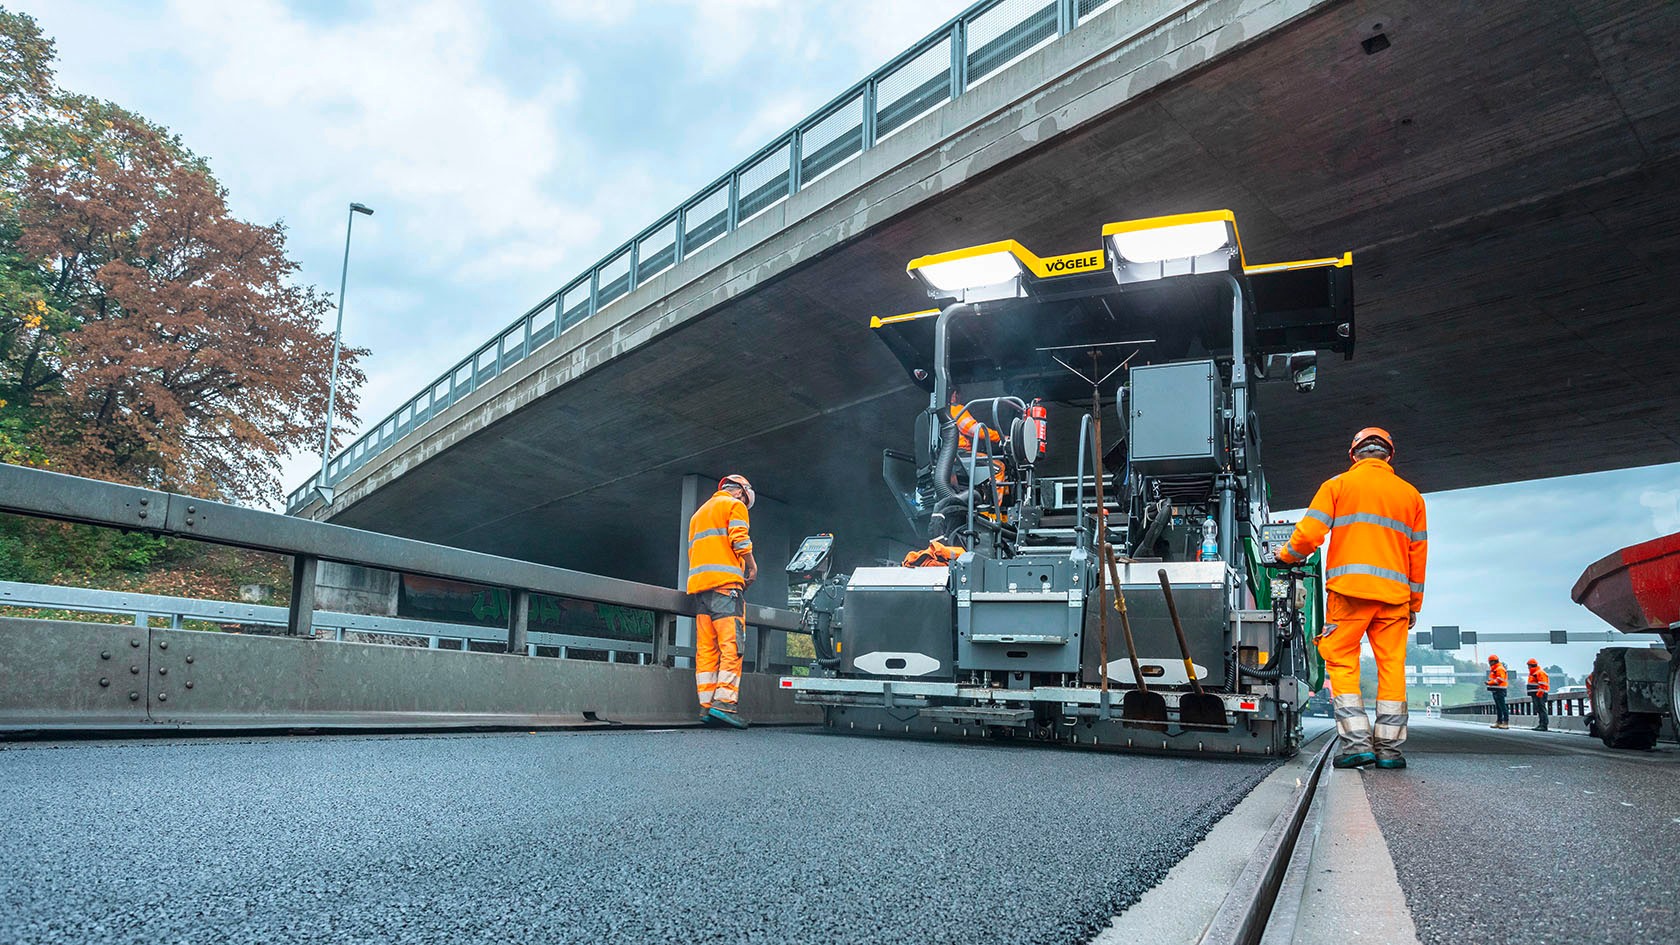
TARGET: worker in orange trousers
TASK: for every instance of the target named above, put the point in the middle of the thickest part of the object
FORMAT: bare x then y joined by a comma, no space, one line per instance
1379,545
1498,683
1539,684
720,566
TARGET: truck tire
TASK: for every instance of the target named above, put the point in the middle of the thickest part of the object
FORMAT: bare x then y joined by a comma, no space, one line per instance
1674,690
1617,726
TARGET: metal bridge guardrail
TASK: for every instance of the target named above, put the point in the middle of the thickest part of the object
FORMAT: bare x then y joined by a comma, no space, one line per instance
144,607
43,494
972,47
1568,704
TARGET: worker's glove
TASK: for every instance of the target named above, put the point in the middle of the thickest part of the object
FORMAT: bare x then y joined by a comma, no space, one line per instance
1270,559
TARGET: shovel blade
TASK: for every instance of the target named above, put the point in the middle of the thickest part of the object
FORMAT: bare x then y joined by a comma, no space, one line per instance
1146,710
1202,709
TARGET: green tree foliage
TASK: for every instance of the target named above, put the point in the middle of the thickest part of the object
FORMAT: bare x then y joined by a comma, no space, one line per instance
146,335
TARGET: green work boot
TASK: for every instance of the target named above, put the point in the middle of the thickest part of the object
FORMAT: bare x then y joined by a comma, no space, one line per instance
1391,761
726,716
1358,759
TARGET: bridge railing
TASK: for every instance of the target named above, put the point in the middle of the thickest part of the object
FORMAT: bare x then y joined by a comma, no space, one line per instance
969,49
1520,703
51,495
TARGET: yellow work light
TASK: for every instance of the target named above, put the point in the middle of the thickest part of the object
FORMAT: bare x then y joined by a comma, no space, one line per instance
1181,245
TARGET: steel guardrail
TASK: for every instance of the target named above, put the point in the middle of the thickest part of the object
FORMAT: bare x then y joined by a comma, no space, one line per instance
143,607
43,494
972,46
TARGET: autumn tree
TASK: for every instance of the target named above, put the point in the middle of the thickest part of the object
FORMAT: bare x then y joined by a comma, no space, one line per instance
146,334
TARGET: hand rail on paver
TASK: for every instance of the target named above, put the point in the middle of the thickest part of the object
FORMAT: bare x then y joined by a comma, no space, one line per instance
973,46
43,494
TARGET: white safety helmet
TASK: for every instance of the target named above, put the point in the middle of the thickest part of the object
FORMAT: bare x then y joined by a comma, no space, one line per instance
736,479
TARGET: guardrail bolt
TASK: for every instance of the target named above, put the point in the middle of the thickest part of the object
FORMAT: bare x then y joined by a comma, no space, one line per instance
163,670
191,509
134,670
189,684
104,681
134,697
134,643
104,654
189,659
163,644
163,697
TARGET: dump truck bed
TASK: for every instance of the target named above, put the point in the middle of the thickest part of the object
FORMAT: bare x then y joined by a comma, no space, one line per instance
1636,589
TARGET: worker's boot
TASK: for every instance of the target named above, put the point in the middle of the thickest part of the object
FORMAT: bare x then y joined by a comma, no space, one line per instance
727,715
1390,733
1353,733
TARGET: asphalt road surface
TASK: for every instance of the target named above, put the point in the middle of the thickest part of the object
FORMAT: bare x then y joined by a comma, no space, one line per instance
1532,838
624,837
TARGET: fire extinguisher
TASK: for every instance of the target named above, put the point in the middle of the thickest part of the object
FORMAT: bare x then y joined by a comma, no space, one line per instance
1039,416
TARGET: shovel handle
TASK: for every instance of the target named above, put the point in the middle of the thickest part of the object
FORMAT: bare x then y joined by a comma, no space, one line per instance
1178,628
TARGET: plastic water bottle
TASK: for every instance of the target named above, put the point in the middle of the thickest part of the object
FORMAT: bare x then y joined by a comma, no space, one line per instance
1210,540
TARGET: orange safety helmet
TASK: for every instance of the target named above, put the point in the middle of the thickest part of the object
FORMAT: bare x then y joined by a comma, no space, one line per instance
1534,662
1371,433
736,479
1492,658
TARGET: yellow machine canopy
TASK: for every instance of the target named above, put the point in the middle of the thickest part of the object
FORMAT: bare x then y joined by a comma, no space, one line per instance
1154,290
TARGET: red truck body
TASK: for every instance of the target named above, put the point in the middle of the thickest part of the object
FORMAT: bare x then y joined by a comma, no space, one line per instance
1636,589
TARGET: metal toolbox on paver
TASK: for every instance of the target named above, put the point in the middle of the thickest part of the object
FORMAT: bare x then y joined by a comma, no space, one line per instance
903,623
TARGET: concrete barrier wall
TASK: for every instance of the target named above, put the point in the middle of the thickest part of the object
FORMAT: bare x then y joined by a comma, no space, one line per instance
61,675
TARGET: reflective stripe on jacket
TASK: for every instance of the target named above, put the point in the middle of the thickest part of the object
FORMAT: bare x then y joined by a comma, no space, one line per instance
717,544
1498,678
1538,682
1379,539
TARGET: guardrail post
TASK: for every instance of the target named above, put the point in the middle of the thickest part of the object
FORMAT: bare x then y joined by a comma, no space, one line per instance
300,616
519,622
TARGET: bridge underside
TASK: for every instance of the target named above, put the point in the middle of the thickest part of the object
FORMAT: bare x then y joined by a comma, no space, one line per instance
1508,181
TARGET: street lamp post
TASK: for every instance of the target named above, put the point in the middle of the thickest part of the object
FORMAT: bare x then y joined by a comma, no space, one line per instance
322,486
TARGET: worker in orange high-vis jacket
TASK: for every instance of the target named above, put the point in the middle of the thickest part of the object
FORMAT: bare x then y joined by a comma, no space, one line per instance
720,566
1498,683
1374,574
1539,683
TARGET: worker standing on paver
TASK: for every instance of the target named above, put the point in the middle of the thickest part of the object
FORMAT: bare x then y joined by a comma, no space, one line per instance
1538,685
720,566
1379,545
1498,682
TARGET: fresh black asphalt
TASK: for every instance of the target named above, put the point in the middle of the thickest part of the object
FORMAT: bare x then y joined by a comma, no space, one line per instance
1531,838
624,837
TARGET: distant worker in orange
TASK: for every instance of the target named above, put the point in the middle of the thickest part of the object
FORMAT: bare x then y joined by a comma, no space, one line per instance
1378,548
720,566
1498,682
1538,685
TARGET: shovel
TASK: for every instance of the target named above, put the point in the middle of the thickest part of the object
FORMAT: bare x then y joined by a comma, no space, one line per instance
1140,708
1199,709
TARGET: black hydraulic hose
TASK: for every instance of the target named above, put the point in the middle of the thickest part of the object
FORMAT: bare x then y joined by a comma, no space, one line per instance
823,639
945,460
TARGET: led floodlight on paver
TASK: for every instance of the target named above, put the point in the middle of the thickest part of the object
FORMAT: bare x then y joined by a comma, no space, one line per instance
976,274
1181,245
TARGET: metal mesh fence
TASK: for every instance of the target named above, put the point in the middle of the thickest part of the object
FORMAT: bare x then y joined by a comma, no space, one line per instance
656,251
993,35
831,140
913,89
1006,33
764,182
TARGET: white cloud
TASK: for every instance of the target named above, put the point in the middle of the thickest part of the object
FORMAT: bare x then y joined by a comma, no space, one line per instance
1665,509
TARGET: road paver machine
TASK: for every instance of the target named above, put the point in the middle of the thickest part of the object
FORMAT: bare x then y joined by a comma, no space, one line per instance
1088,477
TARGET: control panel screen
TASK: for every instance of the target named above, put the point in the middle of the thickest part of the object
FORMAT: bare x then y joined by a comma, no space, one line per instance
811,553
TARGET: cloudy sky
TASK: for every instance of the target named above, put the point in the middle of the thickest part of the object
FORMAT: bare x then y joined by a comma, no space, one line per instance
508,144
